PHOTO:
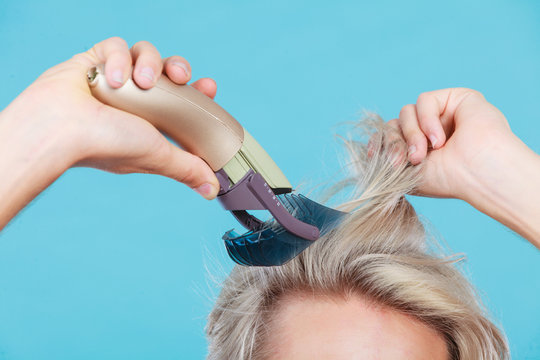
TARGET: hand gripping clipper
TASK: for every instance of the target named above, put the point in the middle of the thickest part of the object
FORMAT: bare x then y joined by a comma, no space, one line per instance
249,179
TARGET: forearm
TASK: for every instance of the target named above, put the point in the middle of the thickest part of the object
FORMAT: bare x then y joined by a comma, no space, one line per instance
31,158
507,188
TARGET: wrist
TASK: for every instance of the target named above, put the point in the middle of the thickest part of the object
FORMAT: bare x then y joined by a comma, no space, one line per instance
32,156
504,186
36,130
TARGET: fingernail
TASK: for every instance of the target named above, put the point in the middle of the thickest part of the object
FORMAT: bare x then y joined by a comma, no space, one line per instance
182,66
205,190
412,149
433,140
148,73
117,76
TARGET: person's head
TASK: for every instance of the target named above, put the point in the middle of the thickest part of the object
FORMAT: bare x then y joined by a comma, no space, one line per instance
377,287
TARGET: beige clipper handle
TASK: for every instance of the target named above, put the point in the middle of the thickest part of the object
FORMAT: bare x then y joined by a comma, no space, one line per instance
193,120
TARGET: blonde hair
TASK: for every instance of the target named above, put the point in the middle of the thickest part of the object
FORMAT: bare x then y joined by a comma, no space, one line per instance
382,252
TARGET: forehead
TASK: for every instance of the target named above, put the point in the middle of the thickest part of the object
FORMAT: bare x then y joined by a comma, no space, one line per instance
335,328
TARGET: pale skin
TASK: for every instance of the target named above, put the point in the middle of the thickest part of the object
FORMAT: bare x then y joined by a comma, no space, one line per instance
334,328
475,157
56,124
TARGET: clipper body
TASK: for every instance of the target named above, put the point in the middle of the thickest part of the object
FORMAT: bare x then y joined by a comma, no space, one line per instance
249,178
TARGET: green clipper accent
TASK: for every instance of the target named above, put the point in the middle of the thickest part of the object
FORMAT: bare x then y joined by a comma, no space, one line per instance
253,156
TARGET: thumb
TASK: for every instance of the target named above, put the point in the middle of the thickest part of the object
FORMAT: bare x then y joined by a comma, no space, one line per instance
190,170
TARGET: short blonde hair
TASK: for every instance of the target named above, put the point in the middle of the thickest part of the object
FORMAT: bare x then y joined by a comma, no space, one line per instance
382,252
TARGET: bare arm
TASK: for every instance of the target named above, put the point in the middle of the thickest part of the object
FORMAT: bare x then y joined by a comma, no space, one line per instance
507,188
56,124
474,156
29,162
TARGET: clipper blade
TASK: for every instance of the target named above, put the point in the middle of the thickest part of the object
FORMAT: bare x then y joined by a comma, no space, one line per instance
272,244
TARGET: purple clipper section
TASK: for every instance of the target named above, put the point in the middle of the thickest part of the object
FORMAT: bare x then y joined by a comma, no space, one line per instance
253,193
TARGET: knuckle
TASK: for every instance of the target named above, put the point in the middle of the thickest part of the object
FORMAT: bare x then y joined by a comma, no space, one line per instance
82,58
79,56
476,93
143,44
406,110
469,92
117,41
151,60
145,48
147,53
119,57
393,122
188,175
423,97
117,53
161,153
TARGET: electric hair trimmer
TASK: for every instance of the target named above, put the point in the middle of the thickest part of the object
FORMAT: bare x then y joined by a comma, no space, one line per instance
249,179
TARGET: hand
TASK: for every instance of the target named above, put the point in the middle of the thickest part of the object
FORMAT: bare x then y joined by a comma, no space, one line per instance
455,131
474,156
58,107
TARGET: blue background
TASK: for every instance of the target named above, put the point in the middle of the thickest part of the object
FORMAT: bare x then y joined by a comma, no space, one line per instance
103,266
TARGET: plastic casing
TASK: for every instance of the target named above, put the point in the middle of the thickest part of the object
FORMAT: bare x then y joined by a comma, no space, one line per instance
194,121
186,115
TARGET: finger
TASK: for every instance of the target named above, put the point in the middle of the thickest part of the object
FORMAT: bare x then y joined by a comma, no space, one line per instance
148,64
114,53
190,170
125,143
416,139
393,142
430,106
177,69
207,86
